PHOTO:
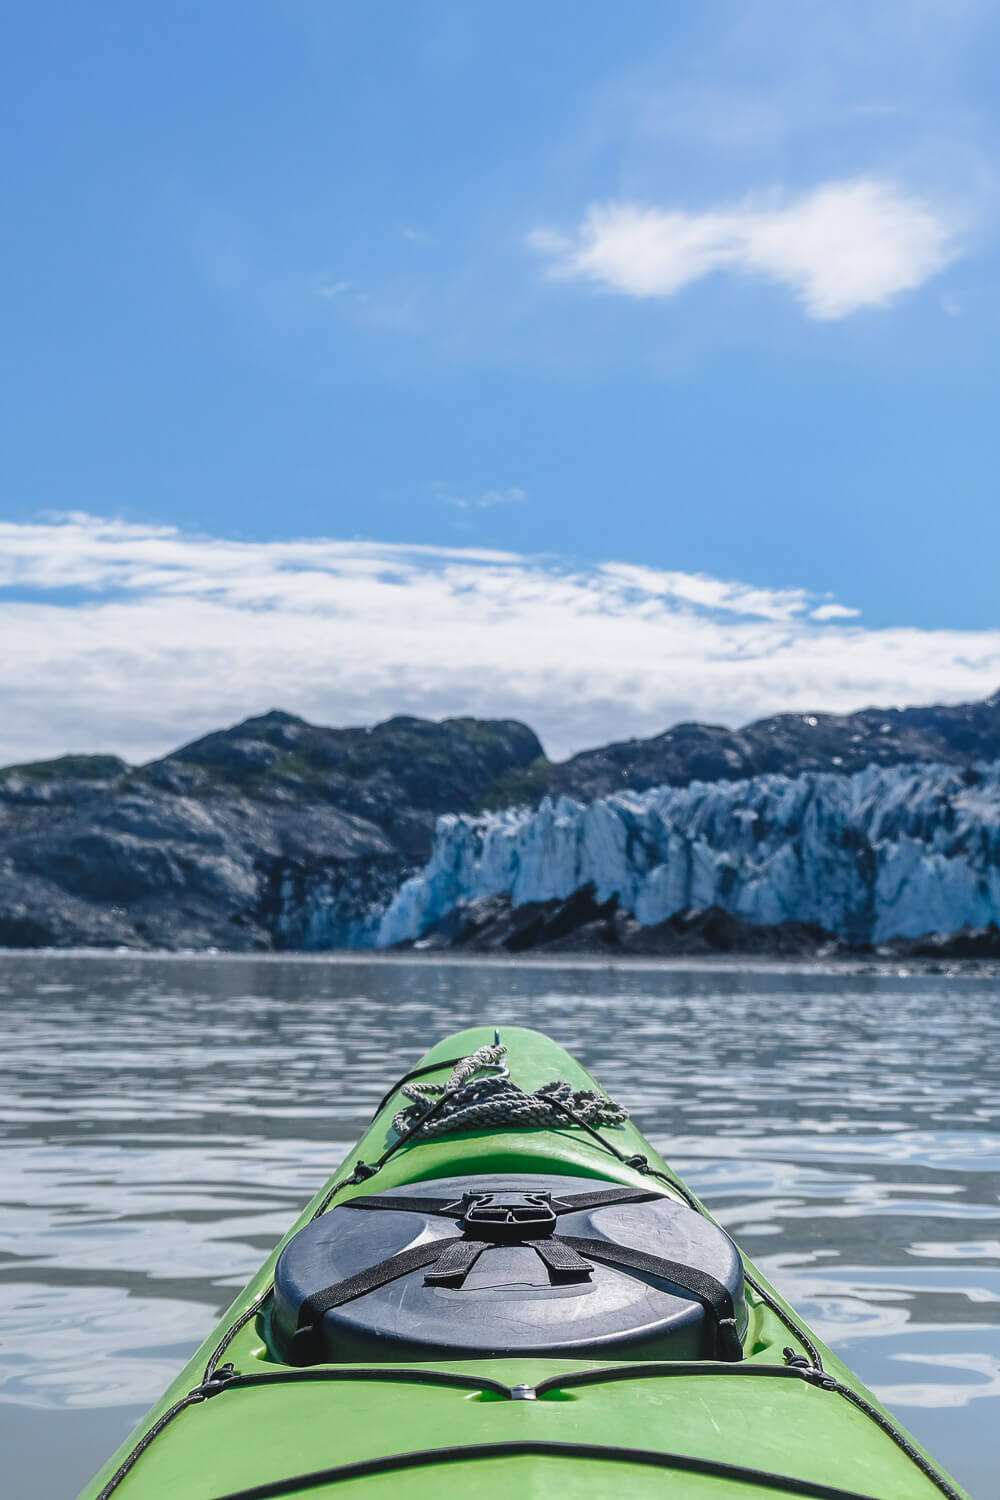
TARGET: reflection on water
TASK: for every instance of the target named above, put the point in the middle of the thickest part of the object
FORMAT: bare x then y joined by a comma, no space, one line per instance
162,1120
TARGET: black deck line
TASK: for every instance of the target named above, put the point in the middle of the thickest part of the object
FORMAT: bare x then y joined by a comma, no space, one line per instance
427,1457
412,1374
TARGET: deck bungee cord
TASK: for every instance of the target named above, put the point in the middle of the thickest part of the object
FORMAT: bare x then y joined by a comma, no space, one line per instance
468,1101
595,1452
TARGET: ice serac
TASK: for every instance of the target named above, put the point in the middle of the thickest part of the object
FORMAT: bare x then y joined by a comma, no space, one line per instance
884,853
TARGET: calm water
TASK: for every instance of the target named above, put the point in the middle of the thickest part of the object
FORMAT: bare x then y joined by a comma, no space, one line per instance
164,1119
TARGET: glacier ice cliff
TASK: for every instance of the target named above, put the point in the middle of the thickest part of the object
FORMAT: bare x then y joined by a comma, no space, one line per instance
883,853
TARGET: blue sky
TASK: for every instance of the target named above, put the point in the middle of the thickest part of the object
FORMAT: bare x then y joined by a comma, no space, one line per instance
705,290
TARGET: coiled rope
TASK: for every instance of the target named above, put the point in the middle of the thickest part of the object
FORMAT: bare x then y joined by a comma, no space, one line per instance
492,1102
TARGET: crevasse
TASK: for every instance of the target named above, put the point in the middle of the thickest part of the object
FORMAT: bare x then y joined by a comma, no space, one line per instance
883,853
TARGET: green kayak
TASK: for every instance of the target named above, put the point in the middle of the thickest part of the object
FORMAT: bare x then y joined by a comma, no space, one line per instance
505,1290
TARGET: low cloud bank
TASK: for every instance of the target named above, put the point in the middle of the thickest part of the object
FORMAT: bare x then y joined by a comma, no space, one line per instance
132,638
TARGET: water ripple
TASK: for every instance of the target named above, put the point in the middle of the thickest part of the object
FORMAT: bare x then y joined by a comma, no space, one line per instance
162,1122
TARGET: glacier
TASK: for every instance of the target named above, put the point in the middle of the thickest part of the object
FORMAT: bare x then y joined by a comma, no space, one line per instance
879,854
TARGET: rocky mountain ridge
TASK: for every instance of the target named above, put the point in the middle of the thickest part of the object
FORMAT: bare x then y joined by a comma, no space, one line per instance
784,744
277,833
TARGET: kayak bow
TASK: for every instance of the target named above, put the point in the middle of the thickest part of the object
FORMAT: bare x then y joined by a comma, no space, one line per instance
509,1289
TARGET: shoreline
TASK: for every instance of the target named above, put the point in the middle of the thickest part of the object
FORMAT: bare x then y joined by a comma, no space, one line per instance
857,964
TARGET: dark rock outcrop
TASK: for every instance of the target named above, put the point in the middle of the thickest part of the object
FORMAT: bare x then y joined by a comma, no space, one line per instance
243,839
581,925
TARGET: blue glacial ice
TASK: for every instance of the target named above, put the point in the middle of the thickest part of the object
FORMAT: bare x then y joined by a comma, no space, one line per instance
883,853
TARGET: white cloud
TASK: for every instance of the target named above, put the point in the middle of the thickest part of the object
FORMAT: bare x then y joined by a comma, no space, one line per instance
833,612
134,638
713,593
844,246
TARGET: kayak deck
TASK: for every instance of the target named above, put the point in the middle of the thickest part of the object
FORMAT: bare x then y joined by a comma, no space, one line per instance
572,1427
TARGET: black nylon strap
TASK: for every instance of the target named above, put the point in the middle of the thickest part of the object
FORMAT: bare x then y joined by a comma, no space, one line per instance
571,1203
566,1204
455,1261
392,1204
314,1307
562,1254
713,1296
562,1262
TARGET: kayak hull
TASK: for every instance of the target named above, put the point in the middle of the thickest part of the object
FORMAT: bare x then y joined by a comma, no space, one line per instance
555,1426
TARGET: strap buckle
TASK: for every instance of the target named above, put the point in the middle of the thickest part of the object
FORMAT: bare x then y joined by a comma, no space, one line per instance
506,1218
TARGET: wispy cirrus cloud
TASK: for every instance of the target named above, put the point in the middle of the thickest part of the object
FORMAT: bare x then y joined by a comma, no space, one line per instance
134,638
846,245
482,499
